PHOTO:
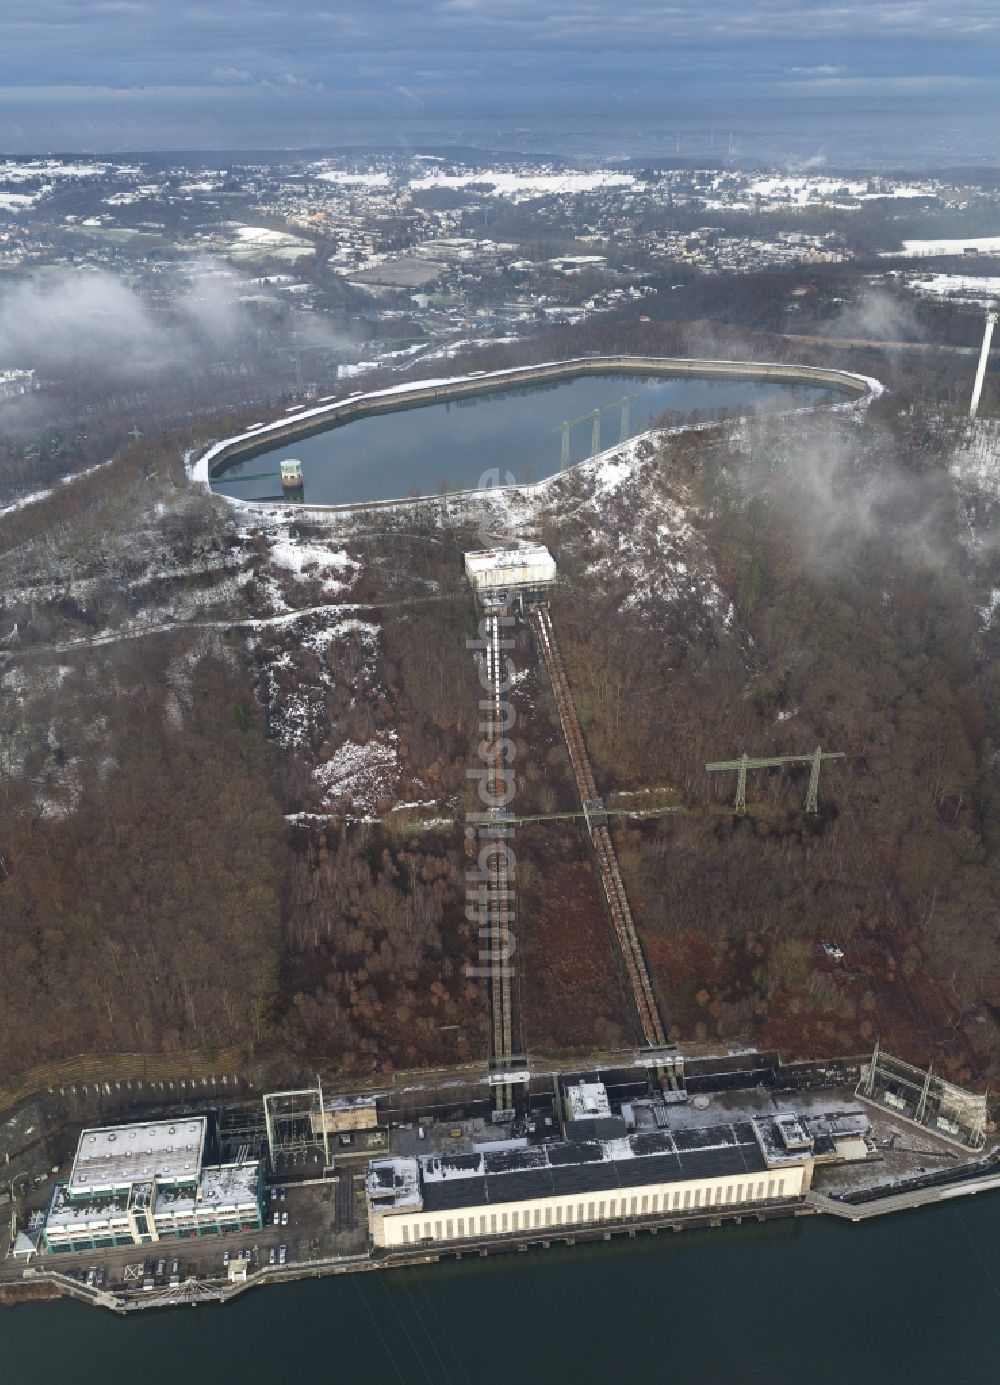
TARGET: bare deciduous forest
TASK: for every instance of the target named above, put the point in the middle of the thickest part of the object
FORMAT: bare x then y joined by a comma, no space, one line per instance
768,588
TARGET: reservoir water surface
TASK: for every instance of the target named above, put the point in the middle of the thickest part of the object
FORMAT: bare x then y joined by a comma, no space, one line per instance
911,1298
453,445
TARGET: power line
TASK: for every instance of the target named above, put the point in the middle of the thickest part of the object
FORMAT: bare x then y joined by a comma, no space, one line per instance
427,1334
406,1332
378,1329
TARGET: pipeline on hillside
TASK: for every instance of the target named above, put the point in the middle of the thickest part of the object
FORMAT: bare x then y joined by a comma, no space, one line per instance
652,1026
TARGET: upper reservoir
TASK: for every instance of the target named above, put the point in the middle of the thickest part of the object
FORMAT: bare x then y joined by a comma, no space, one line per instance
501,436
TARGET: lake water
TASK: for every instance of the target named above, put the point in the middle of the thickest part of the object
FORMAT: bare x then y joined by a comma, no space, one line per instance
417,451
912,1298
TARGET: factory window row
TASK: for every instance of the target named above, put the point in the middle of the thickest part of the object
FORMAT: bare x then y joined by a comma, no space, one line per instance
545,1216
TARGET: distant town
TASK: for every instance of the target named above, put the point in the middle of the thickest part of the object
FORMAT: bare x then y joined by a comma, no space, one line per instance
346,265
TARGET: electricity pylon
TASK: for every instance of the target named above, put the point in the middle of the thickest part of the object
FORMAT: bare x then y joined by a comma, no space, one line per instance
595,416
746,762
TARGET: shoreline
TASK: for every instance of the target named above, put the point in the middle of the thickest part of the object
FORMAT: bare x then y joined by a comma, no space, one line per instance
50,1285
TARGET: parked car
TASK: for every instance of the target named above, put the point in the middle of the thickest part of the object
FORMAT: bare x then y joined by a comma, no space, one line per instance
284,1219
281,1254
225,1259
276,1219
271,1256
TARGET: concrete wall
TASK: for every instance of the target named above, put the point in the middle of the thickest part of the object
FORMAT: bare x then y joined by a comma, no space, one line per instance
564,1212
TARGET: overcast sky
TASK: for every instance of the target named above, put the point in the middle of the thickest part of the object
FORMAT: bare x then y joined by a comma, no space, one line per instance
135,74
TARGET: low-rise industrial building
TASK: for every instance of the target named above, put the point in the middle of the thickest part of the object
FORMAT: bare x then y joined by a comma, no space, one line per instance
136,1184
516,1188
497,574
345,1115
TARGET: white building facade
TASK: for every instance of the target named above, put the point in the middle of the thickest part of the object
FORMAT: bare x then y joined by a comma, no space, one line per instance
566,1212
138,1184
519,1188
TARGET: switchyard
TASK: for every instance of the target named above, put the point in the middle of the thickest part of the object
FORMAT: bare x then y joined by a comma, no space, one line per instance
926,1100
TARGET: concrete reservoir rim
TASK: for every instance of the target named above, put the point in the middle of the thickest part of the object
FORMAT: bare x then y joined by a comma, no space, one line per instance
420,392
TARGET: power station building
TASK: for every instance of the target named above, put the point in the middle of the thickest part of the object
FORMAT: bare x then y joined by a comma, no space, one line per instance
497,575
516,1188
138,1184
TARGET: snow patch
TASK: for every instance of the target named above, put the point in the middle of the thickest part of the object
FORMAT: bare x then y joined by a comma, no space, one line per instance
361,773
306,559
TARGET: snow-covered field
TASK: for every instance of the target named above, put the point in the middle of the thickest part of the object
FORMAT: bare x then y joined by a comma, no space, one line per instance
803,191
17,201
46,173
984,245
254,242
959,288
27,170
508,184
345,178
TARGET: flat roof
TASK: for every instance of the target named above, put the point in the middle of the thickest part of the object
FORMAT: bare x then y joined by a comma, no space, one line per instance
512,1171
350,1102
601,1166
113,1157
394,1182
223,1187
587,1100
65,1214
488,559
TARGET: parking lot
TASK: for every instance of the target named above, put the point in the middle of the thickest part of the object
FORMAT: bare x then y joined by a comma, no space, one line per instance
302,1223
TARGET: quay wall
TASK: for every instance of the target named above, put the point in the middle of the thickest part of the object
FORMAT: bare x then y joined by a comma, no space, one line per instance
813,1204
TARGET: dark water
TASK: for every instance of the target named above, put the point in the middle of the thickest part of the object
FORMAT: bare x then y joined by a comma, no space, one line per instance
516,431
913,1298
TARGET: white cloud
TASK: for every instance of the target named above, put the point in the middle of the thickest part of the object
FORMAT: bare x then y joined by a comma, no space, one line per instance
230,74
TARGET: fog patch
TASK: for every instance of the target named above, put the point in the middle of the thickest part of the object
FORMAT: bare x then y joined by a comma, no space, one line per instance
88,323
838,488
877,315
